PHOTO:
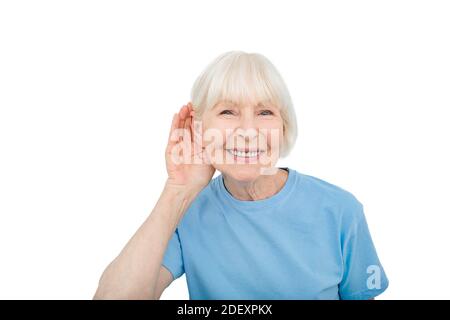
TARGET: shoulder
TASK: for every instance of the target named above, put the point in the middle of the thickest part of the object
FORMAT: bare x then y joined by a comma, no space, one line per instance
344,202
326,189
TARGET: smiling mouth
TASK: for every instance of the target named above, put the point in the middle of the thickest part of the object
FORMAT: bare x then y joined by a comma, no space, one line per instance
245,153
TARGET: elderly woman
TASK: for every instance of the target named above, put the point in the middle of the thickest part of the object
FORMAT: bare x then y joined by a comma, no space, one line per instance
255,231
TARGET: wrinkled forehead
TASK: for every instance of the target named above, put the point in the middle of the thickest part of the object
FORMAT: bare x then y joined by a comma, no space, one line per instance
229,102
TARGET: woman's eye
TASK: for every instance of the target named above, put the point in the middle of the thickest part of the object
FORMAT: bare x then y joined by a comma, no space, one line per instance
226,112
266,113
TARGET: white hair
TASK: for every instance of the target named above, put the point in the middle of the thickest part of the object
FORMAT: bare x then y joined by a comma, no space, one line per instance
239,76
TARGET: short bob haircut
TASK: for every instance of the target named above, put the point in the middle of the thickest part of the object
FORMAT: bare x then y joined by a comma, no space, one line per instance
239,76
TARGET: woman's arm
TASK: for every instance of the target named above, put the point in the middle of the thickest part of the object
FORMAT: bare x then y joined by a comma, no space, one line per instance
134,273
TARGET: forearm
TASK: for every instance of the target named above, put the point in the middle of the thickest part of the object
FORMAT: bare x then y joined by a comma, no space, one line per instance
133,274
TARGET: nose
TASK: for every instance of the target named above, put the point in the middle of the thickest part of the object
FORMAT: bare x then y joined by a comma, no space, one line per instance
247,129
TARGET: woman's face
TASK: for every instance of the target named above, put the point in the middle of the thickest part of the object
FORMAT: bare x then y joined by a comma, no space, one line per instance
241,140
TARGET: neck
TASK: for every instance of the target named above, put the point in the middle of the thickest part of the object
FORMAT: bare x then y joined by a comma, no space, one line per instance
262,187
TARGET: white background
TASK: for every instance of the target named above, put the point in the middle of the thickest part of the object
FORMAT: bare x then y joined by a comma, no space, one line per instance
88,89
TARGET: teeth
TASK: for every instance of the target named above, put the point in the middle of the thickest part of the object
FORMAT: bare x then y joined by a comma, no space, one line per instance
249,154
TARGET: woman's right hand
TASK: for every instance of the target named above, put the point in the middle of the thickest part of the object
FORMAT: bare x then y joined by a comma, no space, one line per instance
195,172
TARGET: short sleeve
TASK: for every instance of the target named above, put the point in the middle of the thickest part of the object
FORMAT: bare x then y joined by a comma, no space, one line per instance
173,259
363,275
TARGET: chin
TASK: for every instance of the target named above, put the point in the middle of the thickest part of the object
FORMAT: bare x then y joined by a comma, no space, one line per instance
241,172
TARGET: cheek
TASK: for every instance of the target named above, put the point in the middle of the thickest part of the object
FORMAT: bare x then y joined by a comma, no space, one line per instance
275,136
273,132
214,133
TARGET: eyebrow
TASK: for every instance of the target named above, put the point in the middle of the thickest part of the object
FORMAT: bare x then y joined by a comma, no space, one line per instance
260,104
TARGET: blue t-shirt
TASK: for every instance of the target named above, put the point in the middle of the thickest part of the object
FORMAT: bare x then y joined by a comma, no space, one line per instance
308,241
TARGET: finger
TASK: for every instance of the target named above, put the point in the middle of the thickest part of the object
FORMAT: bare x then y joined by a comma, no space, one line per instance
196,129
191,107
175,120
184,112
187,129
192,113
191,127
183,115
